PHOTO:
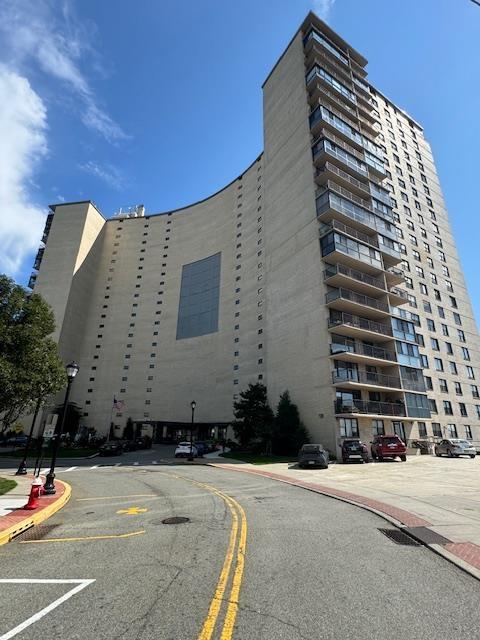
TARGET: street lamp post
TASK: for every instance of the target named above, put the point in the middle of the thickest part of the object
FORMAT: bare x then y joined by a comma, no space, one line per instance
22,467
49,486
193,404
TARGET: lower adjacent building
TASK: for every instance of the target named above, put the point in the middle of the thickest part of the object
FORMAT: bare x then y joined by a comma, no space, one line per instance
327,268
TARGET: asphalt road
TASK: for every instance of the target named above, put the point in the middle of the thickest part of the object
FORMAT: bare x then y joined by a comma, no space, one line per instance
313,567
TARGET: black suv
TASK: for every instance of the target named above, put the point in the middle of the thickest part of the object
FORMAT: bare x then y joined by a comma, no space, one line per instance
353,450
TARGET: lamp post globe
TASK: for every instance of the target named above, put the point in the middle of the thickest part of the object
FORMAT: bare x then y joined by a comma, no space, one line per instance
49,486
193,404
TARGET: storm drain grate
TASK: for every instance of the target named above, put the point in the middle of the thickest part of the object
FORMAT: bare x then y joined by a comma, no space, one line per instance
36,533
399,537
176,520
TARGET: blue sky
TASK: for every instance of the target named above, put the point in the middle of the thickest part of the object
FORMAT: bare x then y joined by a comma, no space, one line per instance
160,102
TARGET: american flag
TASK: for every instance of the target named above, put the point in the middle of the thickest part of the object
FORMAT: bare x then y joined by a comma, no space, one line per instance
118,404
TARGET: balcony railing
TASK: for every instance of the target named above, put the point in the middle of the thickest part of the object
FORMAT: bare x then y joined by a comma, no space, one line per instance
342,155
331,168
335,225
358,298
399,292
333,186
394,271
365,377
333,80
367,407
414,385
340,142
330,200
344,345
360,323
324,92
341,269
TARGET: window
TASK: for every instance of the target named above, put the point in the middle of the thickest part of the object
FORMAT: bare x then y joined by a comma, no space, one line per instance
468,431
470,373
419,271
453,368
348,427
475,392
430,324
444,329
378,428
428,383
447,408
441,312
465,353
424,360
449,348
434,344
437,429
463,409
422,429
438,364
477,407
452,431
443,385
432,405
427,307
437,294
458,388
461,335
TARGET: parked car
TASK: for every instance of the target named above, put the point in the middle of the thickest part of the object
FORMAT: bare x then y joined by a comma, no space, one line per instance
127,445
202,447
454,447
388,447
17,441
183,450
354,450
111,449
143,442
313,455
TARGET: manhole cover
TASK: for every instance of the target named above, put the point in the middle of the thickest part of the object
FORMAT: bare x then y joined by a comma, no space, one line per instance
36,533
175,520
399,537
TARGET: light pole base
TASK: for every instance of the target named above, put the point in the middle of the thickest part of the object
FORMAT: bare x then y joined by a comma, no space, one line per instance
49,486
22,468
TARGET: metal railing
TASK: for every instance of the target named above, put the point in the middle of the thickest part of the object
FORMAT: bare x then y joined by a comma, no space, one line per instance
353,164
366,377
395,271
366,406
331,168
333,270
360,323
352,210
345,345
324,92
399,292
358,298
340,142
335,225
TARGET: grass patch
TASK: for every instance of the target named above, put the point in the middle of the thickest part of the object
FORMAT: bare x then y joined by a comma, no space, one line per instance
62,453
256,458
6,485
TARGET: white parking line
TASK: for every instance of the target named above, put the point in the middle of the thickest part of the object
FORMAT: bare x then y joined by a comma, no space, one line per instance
66,470
81,584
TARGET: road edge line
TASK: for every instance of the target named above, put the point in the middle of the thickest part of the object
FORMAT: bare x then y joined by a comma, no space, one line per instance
46,512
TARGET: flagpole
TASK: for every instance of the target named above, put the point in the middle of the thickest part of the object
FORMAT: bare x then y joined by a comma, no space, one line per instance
111,419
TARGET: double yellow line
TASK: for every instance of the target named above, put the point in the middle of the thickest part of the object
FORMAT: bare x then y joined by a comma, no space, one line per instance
235,557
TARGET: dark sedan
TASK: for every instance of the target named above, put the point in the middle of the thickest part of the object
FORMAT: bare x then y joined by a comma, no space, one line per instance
313,455
111,449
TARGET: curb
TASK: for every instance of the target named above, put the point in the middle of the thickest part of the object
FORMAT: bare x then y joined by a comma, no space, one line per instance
43,514
435,548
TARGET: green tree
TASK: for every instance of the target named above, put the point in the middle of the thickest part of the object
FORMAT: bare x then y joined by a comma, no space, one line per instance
289,433
128,431
30,367
254,416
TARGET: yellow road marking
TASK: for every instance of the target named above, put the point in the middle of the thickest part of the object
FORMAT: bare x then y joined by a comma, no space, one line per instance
106,537
132,511
135,495
215,605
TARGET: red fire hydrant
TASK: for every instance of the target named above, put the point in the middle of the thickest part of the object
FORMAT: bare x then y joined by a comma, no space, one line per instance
34,494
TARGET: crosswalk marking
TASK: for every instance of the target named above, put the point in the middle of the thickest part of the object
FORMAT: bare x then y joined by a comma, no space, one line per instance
110,465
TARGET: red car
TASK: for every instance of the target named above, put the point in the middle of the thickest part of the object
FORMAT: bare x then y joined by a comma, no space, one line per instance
388,447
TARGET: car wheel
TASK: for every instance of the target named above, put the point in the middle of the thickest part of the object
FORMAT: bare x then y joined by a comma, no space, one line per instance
380,458
449,453
472,456
366,460
374,455
439,455
403,458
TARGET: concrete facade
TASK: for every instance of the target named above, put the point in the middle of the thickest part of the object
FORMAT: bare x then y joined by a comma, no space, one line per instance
316,227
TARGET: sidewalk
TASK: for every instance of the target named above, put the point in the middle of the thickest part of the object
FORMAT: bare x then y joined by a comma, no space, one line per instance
437,500
14,519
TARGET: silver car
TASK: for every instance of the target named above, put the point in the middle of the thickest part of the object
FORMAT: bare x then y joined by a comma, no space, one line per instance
454,447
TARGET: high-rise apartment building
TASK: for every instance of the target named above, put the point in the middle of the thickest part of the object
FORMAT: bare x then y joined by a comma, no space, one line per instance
327,268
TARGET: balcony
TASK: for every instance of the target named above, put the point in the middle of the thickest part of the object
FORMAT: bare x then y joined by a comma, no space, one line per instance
346,193
351,302
414,385
390,250
350,378
397,296
335,225
329,171
333,81
393,275
351,351
365,407
331,205
32,280
323,150
322,116
339,275
319,92
341,249
350,325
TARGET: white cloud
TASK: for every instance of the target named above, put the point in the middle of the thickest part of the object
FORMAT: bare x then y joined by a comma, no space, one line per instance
33,30
108,173
323,7
23,123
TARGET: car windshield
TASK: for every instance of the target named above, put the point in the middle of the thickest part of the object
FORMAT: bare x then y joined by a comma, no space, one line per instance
352,444
312,448
390,440
462,443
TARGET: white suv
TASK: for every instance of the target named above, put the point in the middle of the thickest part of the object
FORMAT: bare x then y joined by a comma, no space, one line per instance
183,450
